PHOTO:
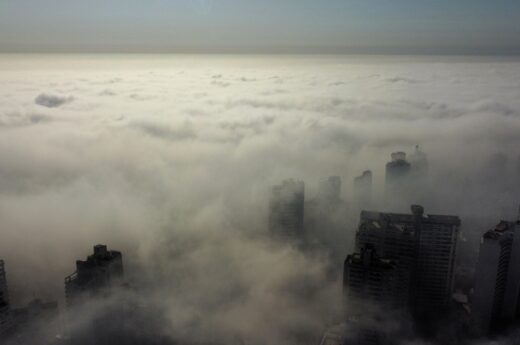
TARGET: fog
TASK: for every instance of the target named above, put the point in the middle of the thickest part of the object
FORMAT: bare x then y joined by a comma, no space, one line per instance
170,159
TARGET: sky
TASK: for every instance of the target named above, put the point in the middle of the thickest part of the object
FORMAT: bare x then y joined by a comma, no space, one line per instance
267,26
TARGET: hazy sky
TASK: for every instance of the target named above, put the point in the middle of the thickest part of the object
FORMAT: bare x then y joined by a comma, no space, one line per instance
441,26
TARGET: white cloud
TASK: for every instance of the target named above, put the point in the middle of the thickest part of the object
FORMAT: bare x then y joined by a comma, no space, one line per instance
172,165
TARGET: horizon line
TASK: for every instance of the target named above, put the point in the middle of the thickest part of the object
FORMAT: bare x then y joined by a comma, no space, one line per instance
505,51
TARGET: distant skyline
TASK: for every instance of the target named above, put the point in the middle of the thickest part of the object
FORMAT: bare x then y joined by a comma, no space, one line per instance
267,26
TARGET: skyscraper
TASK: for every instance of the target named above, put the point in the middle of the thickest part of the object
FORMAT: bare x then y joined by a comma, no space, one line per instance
286,209
397,182
419,163
424,248
99,272
392,238
495,301
5,317
363,190
369,278
372,294
436,249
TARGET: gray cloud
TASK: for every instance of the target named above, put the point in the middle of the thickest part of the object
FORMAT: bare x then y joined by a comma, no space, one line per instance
52,101
165,132
402,80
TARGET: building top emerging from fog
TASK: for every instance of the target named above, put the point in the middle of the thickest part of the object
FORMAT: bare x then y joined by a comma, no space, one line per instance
423,245
409,219
396,173
369,278
363,190
496,300
98,272
419,161
286,209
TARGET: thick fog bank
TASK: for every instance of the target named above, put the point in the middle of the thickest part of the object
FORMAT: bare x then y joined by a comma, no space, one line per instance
171,159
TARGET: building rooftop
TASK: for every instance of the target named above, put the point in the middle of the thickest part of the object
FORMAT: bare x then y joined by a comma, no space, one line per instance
500,229
417,211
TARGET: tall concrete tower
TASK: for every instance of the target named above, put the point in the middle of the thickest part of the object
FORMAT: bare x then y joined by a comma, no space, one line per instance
497,279
397,180
423,246
5,317
99,272
286,209
363,190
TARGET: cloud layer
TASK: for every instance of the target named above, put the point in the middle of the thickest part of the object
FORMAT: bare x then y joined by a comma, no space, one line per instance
170,160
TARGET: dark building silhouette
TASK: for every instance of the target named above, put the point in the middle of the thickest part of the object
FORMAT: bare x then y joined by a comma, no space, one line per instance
391,239
6,323
286,209
102,310
424,249
397,179
370,279
419,163
98,273
419,189
372,295
495,302
363,190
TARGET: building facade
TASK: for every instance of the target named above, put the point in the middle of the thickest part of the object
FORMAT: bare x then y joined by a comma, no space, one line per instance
286,209
393,237
6,323
424,248
370,279
495,301
363,190
372,296
397,172
99,272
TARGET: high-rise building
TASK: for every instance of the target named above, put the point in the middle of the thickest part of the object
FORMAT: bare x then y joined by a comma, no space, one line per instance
419,163
363,190
495,301
397,181
372,293
99,272
370,279
436,249
286,209
392,238
5,315
424,248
